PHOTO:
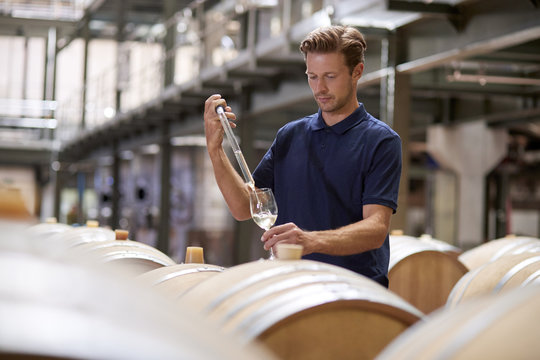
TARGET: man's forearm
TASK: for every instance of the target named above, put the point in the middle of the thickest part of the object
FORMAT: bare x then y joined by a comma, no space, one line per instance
355,238
367,234
231,185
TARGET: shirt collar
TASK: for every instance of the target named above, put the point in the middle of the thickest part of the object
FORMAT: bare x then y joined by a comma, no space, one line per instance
358,115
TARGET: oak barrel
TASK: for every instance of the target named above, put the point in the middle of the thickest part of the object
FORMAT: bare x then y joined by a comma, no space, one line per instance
173,281
80,235
303,309
441,245
133,256
504,273
497,248
12,204
421,273
492,327
61,308
46,230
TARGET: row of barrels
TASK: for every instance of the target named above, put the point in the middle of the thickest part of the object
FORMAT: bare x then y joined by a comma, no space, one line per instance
308,310
431,274
71,293
294,309
491,310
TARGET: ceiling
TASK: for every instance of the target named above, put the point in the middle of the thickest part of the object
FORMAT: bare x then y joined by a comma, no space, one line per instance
466,60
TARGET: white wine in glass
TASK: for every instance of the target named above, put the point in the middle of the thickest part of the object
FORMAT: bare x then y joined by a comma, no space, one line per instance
264,209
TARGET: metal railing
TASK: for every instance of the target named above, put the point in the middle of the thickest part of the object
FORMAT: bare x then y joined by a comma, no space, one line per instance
202,40
44,9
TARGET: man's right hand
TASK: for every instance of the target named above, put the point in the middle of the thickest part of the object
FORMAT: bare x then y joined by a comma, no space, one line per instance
212,126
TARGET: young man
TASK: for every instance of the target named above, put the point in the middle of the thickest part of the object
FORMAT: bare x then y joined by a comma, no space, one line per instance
335,174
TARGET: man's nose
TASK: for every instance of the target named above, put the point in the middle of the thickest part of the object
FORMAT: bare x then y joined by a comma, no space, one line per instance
321,86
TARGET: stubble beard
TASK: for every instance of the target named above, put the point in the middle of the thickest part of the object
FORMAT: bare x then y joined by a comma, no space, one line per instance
334,104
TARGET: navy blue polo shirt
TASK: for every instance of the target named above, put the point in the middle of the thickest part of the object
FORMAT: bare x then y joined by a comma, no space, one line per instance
322,176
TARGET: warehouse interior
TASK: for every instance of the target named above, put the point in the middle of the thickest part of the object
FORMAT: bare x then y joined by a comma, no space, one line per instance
102,101
116,242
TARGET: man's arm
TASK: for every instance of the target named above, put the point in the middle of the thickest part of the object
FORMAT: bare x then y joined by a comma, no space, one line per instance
364,235
234,189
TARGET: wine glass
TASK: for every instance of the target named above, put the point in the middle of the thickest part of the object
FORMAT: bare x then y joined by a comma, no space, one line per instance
264,209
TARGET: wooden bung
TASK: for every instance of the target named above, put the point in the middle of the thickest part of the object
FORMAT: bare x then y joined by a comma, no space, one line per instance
194,254
289,251
92,223
121,234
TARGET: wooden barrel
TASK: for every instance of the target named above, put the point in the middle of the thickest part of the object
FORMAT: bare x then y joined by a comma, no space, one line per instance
61,308
173,281
421,273
497,248
12,204
45,230
134,257
505,273
441,245
80,235
56,238
303,309
493,327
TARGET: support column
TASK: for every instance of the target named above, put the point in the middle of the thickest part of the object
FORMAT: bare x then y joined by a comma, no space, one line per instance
81,186
115,200
471,150
165,197
58,179
395,110
24,94
244,229
86,35
120,52
170,7
501,207
402,123
49,83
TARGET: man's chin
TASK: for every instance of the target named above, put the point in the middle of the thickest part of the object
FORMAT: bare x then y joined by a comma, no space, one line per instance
326,107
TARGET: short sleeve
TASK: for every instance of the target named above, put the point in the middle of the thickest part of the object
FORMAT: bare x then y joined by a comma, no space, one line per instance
264,172
381,185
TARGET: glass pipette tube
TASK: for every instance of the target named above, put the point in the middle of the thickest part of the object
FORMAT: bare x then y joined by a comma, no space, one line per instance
236,148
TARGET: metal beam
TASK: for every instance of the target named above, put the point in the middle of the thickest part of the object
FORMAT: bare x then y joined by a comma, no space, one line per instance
472,49
514,117
35,26
88,14
422,6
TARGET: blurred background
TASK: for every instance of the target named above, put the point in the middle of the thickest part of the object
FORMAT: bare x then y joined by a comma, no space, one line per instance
101,105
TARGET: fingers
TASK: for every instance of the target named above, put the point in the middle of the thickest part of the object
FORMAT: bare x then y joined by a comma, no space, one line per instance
213,101
210,109
286,233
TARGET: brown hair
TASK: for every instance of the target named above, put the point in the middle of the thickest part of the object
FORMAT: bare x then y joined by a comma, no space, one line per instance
345,39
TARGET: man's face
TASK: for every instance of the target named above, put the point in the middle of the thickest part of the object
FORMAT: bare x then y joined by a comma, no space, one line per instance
332,84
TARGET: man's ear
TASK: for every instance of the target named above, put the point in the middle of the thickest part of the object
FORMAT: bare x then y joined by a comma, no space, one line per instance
358,70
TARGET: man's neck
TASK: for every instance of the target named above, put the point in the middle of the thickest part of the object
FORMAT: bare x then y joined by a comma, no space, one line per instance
334,117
